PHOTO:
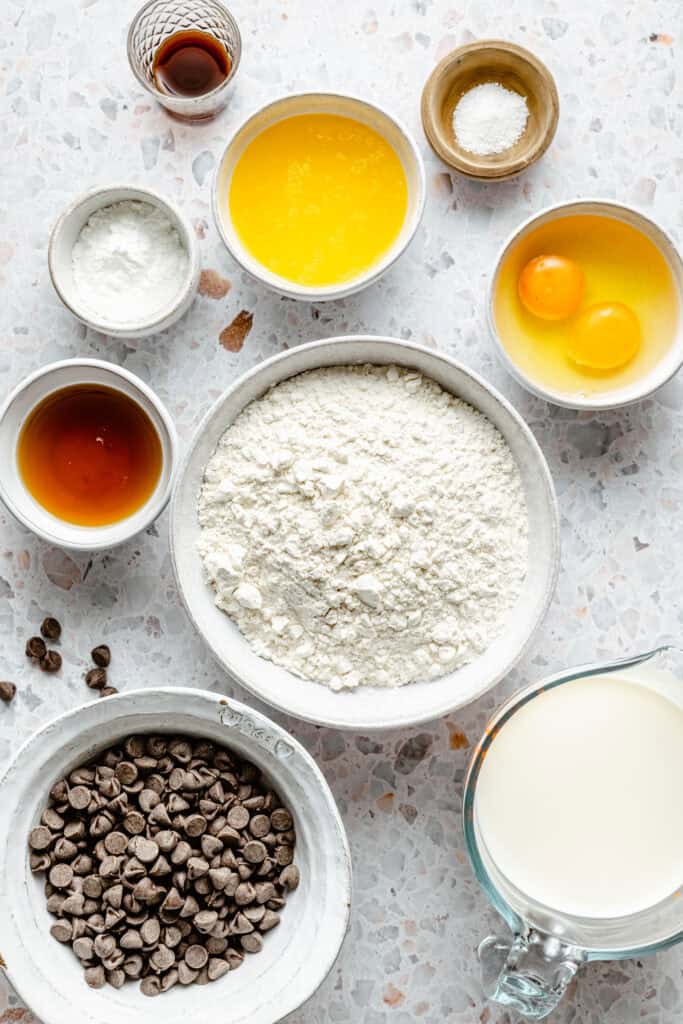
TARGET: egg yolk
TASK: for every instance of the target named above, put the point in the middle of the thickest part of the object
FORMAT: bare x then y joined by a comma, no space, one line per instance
551,287
605,337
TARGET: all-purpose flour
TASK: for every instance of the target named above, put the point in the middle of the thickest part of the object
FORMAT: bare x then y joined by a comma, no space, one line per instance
362,526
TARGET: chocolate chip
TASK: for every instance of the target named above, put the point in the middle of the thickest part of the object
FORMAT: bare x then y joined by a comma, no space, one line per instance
40,838
150,986
108,691
51,661
83,948
96,678
252,943
35,648
238,817
95,976
196,956
61,876
7,692
217,968
185,974
62,931
254,852
50,628
101,655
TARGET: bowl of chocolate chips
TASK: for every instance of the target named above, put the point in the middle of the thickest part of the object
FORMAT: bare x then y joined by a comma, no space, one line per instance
169,852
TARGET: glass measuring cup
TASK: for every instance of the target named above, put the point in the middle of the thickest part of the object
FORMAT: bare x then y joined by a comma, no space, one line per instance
530,969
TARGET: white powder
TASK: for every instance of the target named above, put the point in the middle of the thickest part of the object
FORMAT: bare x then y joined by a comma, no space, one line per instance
362,526
489,119
128,261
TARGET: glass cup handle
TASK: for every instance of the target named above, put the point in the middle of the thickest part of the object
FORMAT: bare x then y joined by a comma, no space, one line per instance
529,972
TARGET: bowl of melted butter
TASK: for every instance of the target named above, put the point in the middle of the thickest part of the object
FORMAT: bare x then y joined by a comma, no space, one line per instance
318,194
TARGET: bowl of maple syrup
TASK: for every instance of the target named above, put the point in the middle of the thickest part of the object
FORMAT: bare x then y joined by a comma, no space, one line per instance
87,454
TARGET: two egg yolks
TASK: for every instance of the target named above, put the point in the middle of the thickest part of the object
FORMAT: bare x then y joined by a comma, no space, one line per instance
605,336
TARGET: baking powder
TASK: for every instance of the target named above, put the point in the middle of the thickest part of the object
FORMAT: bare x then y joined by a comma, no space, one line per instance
363,526
128,261
489,119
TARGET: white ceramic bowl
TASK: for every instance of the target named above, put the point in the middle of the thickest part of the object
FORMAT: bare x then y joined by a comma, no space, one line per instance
62,240
367,707
297,955
319,103
13,414
664,369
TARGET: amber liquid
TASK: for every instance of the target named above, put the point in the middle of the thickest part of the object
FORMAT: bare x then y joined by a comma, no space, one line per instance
89,455
190,64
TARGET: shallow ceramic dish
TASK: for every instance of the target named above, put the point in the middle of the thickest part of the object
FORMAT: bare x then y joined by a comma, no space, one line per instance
60,248
661,372
490,61
16,409
297,955
366,707
319,103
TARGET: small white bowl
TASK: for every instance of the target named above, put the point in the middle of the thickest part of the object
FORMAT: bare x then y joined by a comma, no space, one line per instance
15,411
661,372
319,103
64,235
367,707
296,956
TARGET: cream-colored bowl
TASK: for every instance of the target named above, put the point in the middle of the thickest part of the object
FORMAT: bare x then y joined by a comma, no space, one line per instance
660,373
367,707
297,955
14,413
319,103
63,238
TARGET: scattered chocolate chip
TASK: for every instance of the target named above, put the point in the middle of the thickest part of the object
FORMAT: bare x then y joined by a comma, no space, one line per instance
101,655
35,648
108,691
96,678
7,692
51,661
50,628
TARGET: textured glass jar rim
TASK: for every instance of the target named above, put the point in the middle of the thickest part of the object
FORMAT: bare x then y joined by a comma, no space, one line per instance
474,842
183,101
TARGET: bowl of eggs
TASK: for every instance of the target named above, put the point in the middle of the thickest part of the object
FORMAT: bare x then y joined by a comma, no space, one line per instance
318,194
584,305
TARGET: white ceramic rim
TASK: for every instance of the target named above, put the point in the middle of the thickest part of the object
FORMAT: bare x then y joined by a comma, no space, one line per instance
321,293
168,314
390,719
256,737
638,390
157,501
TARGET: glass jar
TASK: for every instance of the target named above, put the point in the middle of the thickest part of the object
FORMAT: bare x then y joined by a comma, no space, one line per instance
156,22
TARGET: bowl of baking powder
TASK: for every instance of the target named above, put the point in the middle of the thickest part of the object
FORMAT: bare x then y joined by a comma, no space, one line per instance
365,533
124,260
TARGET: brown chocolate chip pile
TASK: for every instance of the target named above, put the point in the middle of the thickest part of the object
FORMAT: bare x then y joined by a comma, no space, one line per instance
167,859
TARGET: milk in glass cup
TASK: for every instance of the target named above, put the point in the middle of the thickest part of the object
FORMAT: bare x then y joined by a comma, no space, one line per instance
574,824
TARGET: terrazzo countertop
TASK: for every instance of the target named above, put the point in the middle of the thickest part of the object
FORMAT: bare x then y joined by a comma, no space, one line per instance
75,117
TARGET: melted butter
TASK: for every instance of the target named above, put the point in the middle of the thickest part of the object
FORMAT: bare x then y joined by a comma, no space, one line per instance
318,198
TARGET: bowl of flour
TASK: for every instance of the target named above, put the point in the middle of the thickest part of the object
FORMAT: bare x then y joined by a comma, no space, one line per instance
351,530
124,260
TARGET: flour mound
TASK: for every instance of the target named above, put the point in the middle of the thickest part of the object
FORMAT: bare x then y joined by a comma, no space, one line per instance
364,527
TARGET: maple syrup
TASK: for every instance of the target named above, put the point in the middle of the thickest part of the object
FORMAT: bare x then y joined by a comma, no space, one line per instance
190,63
90,455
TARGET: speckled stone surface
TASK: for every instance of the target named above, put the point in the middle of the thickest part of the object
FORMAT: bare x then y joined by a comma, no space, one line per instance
74,117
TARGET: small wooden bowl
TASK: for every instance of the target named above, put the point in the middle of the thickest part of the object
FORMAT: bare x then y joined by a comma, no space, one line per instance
490,61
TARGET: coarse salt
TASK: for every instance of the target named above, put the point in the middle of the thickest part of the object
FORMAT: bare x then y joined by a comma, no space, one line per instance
489,119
